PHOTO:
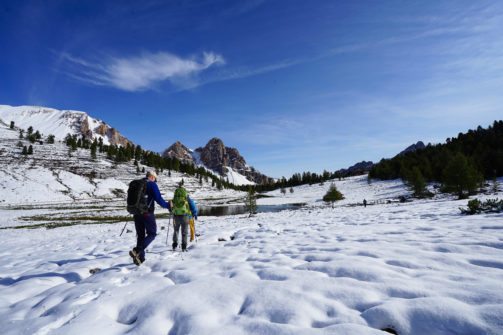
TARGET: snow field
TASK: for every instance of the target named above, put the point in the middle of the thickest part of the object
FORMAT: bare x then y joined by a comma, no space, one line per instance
420,268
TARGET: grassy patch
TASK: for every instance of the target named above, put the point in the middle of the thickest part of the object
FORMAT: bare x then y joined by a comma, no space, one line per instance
260,196
51,222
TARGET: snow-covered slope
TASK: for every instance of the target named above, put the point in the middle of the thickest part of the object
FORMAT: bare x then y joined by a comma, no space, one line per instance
56,122
418,268
236,178
55,175
60,123
354,189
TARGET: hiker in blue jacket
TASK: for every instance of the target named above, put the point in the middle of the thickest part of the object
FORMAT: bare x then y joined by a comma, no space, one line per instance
145,225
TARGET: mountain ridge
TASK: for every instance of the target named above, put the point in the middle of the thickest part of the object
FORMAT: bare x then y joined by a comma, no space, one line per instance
62,122
225,161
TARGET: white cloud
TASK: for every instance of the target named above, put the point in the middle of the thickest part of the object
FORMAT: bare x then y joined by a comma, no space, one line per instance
141,72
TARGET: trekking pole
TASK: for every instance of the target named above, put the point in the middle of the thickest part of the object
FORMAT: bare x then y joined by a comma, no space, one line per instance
195,232
123,228
169,224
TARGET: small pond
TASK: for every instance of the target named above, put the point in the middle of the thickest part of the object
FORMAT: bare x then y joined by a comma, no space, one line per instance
241,209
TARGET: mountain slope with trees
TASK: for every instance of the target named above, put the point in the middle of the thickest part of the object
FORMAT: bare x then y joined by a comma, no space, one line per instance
460,164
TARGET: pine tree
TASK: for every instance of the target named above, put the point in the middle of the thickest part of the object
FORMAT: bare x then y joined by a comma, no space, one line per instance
283,190
415,180
25,150
12,125
32,138
30,130
251,201
37,135
201,180
176,165
50,139
30,150
291,190
459,176
21,133
332,195
93,151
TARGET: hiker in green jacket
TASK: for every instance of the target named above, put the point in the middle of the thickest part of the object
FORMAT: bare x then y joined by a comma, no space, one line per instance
183,208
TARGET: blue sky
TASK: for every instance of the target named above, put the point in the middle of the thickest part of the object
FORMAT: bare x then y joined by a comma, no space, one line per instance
294,85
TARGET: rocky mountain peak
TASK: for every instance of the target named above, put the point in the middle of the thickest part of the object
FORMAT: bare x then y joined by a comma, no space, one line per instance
214,155
217,157
179,151
414,147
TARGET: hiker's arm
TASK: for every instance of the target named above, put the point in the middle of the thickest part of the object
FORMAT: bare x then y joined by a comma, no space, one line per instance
193,207
158,198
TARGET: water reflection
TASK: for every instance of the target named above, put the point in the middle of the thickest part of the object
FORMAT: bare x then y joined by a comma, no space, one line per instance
241,209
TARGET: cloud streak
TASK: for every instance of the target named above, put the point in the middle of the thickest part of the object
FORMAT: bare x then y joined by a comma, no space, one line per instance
140,73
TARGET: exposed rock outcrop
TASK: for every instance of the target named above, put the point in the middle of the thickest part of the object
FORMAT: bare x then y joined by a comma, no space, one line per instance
179,151
414,147
216,157
357,169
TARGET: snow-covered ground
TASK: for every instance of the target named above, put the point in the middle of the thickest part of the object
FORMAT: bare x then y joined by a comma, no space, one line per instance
354,189
418,267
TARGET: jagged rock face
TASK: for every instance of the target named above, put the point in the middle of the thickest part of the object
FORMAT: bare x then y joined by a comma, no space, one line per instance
360,168
357,169
180,152
414,147
85,129
104,130
236,161
216,156
116,138
101,129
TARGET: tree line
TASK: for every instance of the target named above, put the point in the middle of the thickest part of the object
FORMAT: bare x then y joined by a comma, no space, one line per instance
460,164
32,135
139,156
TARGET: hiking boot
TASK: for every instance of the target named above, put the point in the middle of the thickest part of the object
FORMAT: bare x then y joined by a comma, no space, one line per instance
135,256
174,246
184,247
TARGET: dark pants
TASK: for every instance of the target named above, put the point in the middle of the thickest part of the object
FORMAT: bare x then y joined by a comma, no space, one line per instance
145,225
180,221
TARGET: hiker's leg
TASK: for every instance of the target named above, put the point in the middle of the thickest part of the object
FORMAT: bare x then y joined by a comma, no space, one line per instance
151,228
185,230
177,224
139,226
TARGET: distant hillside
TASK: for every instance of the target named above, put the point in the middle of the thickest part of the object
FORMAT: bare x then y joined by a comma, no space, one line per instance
40,163
50,121
483,149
